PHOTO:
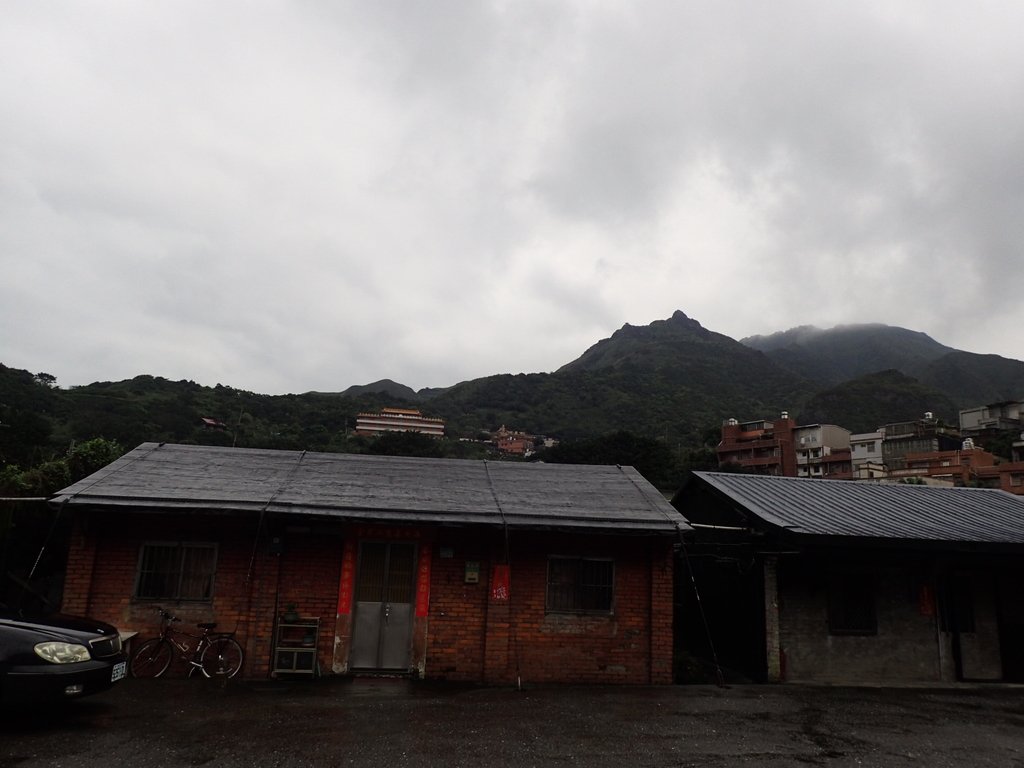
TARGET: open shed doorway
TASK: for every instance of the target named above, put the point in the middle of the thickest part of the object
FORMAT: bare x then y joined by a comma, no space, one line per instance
731,590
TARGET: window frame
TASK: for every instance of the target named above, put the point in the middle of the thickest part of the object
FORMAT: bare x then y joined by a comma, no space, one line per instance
579,587
851,593
181,548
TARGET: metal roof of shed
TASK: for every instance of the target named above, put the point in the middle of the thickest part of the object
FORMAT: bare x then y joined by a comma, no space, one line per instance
166,477
845,508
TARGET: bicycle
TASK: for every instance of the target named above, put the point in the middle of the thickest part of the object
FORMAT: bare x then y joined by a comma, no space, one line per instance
215,654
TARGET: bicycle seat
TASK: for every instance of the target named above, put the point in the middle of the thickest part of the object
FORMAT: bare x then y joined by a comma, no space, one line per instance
207,625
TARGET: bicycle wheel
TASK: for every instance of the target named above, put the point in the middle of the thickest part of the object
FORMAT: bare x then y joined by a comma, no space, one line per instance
152,659
222,657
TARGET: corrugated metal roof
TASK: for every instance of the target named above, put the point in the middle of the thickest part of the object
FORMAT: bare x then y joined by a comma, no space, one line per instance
876,511
378,488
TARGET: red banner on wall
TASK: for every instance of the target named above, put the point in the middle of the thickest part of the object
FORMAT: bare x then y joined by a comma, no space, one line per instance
348,572
423,581
500,583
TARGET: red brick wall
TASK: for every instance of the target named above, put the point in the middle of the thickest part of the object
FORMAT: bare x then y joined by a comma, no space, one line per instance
471,637
104,558
466,636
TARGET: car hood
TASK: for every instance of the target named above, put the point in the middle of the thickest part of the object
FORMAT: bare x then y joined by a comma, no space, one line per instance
59,624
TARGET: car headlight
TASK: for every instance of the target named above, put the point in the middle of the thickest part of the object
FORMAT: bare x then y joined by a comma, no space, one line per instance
62,653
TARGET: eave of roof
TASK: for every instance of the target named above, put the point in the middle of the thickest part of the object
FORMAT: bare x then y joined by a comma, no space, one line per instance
840,510
158,477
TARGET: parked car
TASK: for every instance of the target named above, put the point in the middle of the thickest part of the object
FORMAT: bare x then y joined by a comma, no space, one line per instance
56,658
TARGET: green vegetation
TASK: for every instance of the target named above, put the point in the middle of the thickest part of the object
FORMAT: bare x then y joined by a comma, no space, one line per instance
868,402
52,475
653,396
654,459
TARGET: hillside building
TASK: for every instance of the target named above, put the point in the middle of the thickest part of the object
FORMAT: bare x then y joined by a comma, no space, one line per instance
398,420
823,451
956,467
783,448
992,418
866,455
513,442
927,435
759,447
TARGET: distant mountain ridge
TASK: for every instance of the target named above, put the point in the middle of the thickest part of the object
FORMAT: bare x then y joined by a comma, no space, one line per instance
384,387
672,379
847,352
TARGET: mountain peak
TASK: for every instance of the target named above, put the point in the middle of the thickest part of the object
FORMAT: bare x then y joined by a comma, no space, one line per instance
644,343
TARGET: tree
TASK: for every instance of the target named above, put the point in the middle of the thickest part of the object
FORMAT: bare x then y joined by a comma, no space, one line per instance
47,380
48,477
651,458
85,458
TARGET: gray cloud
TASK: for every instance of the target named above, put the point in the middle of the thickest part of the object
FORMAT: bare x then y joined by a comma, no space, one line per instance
309,195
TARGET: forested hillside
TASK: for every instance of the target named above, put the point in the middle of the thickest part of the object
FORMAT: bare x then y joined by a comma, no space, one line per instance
672,381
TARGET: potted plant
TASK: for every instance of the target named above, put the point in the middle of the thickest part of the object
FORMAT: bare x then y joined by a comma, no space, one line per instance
291,613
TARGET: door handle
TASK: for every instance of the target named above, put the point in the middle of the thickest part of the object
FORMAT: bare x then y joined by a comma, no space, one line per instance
387,612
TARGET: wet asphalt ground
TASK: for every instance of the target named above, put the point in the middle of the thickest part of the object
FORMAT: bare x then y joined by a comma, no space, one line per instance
394,722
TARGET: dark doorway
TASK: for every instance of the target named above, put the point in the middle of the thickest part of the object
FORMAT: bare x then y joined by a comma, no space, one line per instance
1011,626
731,591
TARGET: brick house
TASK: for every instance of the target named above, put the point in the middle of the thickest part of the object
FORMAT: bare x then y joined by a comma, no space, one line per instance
834,581
488,572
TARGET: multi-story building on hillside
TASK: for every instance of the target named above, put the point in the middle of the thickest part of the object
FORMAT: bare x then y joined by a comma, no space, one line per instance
957,467
992,418
782,447
513,442
398,420
1007,475
921,436
822,450
922,449
759,447
866,455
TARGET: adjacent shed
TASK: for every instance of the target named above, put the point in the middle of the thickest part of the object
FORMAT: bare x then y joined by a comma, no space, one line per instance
476,571
843,581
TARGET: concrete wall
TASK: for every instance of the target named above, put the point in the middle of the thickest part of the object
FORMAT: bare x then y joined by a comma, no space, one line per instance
979,650
910,644
904,649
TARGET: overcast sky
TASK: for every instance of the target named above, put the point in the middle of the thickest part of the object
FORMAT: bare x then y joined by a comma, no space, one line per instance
305,195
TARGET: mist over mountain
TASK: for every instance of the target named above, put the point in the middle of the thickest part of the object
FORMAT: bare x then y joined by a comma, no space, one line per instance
848,352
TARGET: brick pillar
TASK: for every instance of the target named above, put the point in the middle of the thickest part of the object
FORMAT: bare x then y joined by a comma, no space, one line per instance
772,648
660,618
81,563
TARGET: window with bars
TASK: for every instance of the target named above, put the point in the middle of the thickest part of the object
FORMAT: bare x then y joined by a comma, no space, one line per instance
851,604
176,571
580,585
